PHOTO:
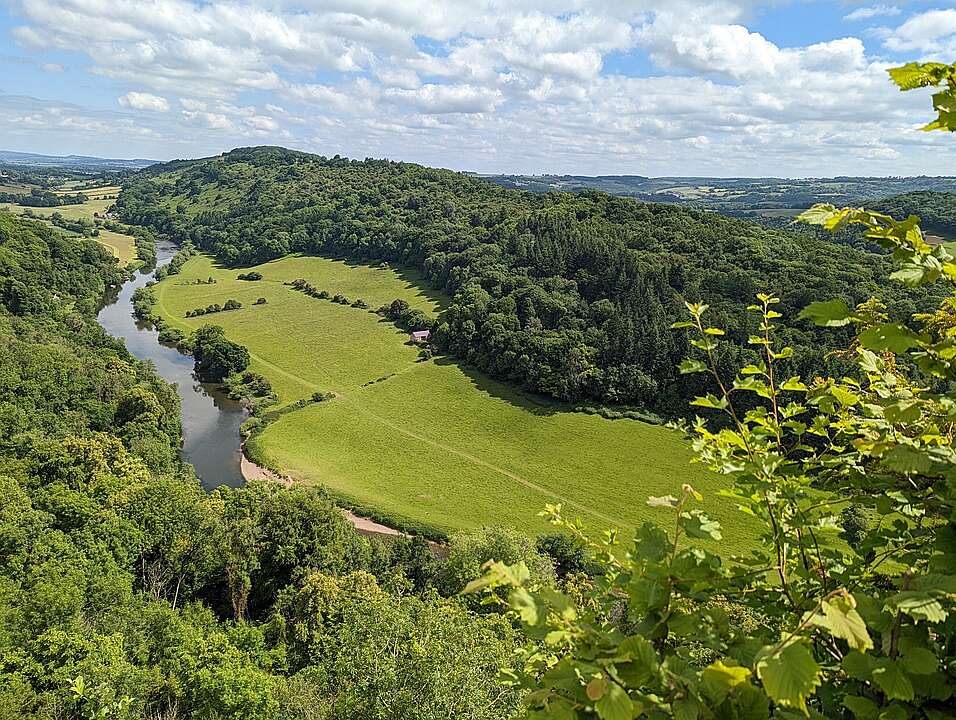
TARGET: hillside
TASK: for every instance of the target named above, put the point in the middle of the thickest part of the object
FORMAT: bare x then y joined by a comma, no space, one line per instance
936,210
570,295
418,441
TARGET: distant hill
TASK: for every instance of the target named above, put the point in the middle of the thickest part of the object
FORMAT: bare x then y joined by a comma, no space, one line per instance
71,162
733,194
936,210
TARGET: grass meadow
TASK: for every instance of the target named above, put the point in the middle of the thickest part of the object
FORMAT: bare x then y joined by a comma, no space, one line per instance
433,443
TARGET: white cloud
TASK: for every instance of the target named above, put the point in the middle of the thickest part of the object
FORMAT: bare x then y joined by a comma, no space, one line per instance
144,101
524,85
262,122
927,33
442,99
872,11
52,67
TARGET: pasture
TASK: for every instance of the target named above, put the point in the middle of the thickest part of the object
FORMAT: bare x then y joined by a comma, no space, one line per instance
432,443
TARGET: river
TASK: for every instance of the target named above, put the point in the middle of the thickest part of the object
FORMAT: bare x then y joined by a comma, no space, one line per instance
210,419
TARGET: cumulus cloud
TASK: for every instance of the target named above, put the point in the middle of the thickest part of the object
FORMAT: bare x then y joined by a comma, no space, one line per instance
929,33
441,99
872,11
643,86
144,101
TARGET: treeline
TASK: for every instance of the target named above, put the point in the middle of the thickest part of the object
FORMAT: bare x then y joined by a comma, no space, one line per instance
42,198
569,295
936,210
126,591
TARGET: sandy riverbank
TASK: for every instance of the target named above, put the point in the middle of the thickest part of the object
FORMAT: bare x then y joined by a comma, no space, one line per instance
254,471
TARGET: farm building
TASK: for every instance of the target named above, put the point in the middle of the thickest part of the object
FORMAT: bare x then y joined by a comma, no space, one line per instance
419,336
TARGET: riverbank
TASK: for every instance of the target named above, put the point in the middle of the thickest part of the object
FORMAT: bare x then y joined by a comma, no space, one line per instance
253,471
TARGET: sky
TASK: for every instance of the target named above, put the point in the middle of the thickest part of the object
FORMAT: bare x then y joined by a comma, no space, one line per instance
643,87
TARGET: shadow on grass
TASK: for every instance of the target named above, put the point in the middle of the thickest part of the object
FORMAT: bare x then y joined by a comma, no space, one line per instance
533,403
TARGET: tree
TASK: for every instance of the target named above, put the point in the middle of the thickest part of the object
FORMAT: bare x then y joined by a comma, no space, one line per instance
215,356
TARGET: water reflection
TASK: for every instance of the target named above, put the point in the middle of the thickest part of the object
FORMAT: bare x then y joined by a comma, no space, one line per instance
210,419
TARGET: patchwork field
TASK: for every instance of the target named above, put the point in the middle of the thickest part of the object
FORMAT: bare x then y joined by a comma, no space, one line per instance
122,246
432,443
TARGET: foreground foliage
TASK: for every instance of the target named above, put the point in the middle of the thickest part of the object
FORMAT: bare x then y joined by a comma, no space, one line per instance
805,624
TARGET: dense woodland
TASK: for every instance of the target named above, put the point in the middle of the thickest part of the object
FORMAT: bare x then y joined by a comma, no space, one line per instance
127,591
570,295
936,210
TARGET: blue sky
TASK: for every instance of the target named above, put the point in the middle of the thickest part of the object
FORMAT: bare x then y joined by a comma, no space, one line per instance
675,87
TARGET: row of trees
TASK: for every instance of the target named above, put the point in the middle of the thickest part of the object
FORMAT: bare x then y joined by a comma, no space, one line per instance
42,198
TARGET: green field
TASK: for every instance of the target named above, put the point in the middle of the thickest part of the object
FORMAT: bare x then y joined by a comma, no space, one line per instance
122,246
433,443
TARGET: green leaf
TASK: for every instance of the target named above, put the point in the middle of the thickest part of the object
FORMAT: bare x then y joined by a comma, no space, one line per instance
646,595
498,574
819,214
913,275
862,708
859,666
720,679
889,337
839,616
891,679
920,661
710,401
918,605
789,675
595,689
844,396
615,704
829,313
527,606
698,525
692,366
904,411
916,75
794,384
686,708
637,661
906,459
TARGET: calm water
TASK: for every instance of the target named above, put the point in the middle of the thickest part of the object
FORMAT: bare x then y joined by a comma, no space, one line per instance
210,419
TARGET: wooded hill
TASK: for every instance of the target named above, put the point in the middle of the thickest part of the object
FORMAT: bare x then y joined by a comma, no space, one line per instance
936,210
570,295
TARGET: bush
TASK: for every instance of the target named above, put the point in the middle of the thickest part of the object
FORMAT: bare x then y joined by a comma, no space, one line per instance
254,275
260,301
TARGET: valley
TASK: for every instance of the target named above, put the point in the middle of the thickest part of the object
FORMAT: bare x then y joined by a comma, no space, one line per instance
431,445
